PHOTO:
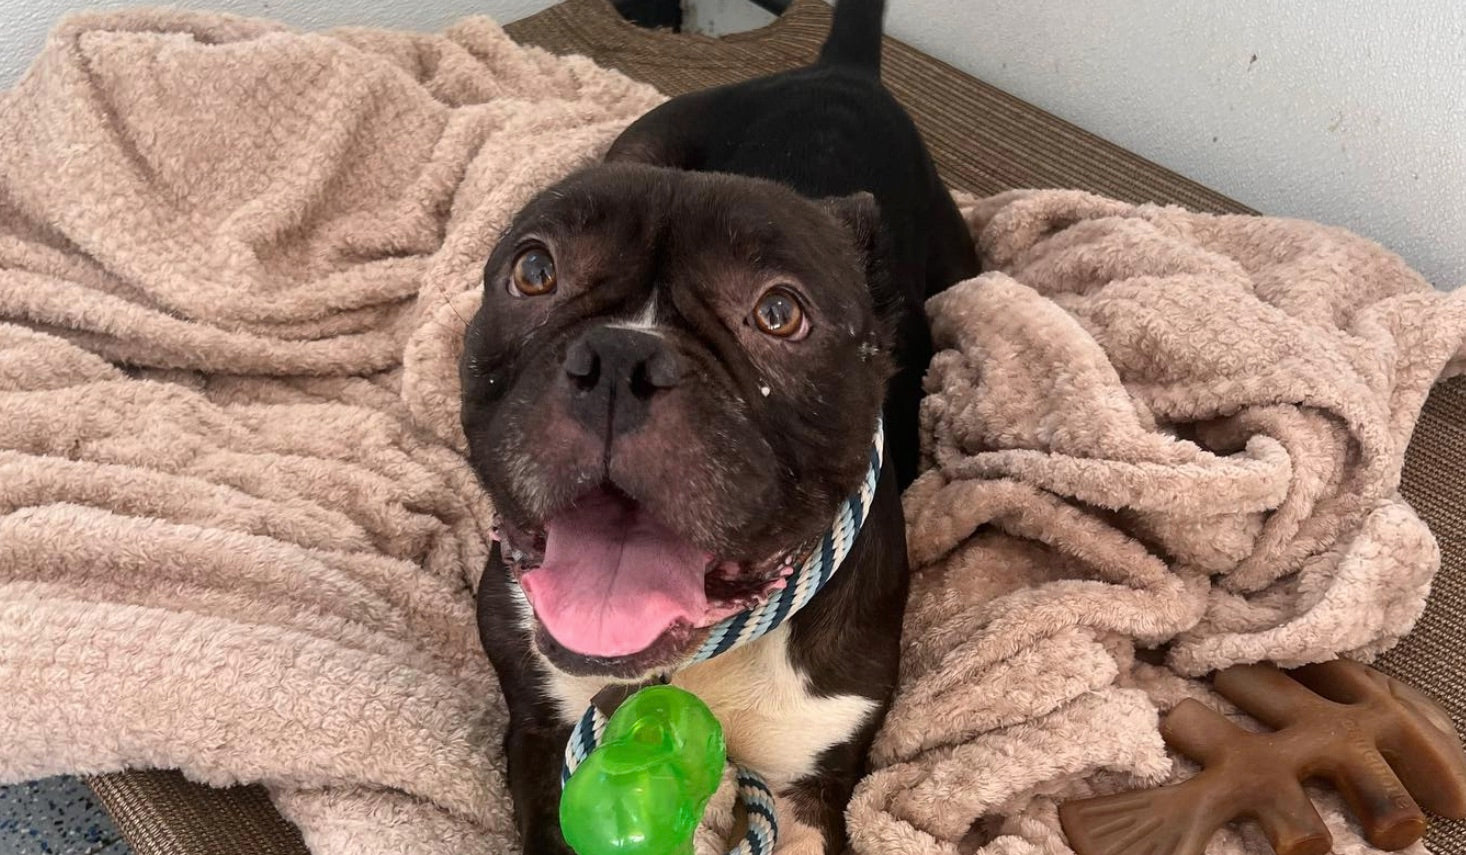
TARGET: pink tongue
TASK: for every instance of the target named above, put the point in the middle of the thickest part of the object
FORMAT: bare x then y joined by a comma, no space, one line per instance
613,579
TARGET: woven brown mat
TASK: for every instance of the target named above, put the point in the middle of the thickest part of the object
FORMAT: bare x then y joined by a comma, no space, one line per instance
984,141
1433,656
163,813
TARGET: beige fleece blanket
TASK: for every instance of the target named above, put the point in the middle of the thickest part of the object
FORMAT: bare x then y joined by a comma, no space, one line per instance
1161,443
238,537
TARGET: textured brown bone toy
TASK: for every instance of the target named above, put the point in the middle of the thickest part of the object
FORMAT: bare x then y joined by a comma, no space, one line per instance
1376,740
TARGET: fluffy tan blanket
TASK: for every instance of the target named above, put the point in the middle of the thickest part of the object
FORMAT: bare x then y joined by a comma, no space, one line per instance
1161,443
237,535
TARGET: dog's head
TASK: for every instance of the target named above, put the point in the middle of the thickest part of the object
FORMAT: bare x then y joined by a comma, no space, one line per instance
672,383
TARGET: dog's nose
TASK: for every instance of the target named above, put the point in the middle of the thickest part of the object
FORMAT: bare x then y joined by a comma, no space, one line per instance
614,374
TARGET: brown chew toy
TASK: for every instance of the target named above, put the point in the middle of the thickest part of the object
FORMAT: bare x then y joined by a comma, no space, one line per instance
1375,739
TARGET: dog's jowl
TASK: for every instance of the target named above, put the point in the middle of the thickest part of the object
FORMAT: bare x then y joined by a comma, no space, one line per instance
671,389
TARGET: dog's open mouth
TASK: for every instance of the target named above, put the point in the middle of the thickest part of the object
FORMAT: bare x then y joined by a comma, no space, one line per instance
608,580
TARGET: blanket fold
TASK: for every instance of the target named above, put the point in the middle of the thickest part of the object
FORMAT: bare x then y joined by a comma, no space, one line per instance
238,536
1160,443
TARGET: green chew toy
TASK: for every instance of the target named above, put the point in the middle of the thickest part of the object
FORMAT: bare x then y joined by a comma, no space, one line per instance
644,790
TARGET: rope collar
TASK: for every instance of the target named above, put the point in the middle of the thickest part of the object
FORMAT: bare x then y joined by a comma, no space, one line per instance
811,575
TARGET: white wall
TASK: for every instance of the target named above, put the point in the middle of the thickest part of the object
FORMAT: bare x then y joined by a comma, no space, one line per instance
1352,112
24,23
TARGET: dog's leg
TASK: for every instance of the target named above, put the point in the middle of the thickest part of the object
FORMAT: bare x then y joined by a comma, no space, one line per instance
534,747
814,824
799,837
535,751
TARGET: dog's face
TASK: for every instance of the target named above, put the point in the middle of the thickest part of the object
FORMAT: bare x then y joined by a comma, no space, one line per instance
672,383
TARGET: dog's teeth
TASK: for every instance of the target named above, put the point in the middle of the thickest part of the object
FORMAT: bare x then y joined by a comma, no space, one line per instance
763,389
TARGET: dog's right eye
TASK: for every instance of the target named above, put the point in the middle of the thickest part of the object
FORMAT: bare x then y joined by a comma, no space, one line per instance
778,313
533,274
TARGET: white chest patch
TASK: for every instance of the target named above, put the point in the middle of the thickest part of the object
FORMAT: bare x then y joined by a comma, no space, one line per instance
771,720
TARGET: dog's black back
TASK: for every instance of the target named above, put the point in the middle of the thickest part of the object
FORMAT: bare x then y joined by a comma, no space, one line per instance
827,130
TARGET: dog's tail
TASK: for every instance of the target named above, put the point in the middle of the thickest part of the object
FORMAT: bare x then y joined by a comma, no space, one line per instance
855,36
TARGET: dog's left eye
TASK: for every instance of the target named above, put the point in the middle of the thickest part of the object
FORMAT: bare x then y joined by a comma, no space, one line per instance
533,274
779,314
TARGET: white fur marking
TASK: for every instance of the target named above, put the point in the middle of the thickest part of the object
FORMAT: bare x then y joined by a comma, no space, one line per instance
645,320
522,606
771,721
571,694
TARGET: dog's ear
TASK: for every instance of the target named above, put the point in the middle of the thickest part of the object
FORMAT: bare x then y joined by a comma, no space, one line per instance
861,217
860,214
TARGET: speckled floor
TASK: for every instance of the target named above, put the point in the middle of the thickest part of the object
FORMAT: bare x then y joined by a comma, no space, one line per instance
56,816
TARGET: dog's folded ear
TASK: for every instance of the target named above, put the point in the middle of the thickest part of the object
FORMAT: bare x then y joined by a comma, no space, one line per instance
861,216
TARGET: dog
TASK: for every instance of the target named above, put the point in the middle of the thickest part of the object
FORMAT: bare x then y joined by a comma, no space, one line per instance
673,383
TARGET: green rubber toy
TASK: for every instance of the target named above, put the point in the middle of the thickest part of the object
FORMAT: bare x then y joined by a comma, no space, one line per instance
644,790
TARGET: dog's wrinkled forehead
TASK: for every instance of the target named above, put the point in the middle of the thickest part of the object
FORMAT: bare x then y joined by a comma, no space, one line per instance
623,235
